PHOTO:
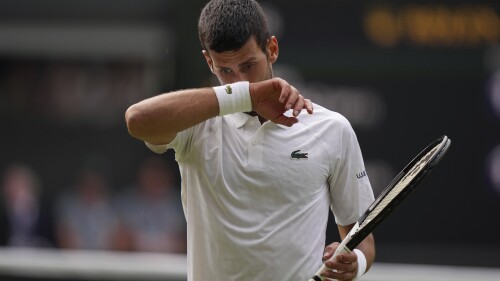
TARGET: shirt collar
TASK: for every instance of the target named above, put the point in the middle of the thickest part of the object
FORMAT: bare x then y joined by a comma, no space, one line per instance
239,119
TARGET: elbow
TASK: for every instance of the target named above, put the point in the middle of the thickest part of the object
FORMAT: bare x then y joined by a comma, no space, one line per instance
134,119
144,124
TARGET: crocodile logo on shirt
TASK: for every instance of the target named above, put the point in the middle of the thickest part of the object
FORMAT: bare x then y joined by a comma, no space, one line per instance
228,89
297,155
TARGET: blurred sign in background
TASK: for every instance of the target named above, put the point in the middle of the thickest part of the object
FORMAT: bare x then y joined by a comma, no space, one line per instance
403,72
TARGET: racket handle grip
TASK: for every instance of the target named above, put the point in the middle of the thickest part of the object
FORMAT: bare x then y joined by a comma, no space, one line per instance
340,249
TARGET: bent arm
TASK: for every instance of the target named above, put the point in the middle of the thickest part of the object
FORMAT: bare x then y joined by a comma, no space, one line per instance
157,120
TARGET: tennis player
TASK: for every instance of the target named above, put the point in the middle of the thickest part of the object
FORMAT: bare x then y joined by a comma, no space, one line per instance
259,169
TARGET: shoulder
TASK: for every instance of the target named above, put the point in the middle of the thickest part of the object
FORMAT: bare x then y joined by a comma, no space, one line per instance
329,127
323,117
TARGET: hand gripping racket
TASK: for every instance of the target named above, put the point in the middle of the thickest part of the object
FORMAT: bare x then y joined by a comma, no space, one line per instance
391,197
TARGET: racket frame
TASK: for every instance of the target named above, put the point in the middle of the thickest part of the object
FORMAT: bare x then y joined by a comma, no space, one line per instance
357,233
360,234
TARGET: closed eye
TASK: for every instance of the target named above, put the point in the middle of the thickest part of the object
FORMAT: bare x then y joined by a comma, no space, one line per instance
247,67
225,70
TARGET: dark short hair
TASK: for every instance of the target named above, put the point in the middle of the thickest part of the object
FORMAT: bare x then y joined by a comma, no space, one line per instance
226,25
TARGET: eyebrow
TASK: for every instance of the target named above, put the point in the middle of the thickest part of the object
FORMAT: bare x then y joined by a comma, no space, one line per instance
249,60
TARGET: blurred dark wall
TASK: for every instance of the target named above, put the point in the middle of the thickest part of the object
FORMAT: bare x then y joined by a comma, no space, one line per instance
403,72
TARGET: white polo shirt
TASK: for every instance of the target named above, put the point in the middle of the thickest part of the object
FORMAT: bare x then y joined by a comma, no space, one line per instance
257,197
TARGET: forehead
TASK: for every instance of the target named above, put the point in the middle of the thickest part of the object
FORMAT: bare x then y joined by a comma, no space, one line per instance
249,51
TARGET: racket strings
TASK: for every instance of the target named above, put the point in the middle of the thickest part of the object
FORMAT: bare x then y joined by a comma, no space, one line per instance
405,180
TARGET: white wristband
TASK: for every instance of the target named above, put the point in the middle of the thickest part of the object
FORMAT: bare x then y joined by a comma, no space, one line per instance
234,98
361,263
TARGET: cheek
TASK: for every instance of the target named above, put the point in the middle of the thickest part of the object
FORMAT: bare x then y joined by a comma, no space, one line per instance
260,74
222,81
267,72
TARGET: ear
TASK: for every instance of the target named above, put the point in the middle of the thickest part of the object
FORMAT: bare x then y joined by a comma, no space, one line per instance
209,60
272,49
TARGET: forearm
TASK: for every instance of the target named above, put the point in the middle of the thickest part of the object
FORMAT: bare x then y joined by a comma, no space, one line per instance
157,120
367,246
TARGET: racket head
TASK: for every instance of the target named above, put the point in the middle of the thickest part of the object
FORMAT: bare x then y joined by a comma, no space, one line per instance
390,198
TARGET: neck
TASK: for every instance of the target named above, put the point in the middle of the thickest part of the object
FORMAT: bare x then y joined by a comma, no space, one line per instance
253,113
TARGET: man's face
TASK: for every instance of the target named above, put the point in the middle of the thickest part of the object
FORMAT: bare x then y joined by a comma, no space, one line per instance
248,63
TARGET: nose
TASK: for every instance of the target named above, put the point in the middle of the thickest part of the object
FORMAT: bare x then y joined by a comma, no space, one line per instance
239,76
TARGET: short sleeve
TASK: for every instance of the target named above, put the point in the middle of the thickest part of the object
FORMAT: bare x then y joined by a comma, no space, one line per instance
350,187
180,143
157,148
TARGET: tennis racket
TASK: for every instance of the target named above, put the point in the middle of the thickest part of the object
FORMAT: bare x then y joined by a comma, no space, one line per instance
391,197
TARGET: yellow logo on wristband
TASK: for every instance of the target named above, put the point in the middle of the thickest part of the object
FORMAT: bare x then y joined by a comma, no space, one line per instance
228,89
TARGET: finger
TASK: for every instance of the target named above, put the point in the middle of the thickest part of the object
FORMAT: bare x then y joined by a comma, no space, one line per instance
286,91
328,274
298,106
292,99
329,250
286,121
327,255
308,106
347,257
337,275
342,267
